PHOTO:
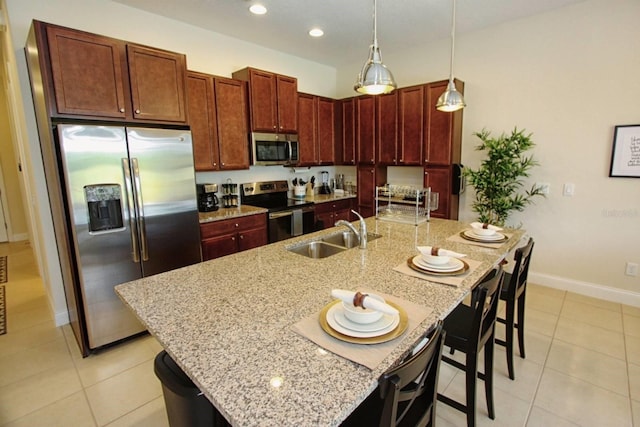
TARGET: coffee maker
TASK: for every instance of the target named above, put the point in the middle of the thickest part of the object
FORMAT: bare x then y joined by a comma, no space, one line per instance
207,199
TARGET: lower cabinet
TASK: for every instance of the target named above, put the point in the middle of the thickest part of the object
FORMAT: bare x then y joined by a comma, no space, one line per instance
440,181
220,238
329,212
369,177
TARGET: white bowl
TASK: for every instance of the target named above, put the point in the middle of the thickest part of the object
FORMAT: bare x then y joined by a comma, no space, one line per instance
435,259
484,231
362,315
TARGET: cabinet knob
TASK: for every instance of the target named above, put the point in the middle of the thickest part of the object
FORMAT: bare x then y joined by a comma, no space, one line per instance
233,238
137,111
122,110
241,236
215,164
237,225
222,163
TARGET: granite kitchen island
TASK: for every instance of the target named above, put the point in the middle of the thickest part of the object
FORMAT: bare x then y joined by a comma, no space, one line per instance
228,322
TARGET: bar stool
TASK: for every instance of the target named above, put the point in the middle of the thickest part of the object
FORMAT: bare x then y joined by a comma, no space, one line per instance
470,329
514,292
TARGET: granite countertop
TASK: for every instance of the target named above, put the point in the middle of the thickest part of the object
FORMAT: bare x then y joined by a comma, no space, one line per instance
227,322
245,210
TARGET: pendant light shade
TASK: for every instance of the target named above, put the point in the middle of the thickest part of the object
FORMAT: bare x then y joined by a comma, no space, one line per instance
451,100
375,78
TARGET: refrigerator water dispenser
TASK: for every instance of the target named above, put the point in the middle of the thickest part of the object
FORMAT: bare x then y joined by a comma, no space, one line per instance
105,209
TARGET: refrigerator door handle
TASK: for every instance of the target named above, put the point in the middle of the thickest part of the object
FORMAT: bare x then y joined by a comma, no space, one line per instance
140,209
126,169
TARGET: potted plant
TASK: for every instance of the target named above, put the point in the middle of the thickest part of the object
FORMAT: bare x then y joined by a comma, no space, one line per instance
498,181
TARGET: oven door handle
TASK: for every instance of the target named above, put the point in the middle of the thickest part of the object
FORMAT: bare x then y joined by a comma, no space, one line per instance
280,214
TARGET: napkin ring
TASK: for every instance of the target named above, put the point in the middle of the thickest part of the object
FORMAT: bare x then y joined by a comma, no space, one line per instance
435,250
358,298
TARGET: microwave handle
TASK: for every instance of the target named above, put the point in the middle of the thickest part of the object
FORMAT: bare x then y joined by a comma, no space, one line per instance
290,150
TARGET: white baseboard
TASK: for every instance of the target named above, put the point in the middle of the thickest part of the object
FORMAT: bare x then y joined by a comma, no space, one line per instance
584,288
19,237
61,318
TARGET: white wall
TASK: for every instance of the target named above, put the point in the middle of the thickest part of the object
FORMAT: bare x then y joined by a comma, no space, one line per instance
568,76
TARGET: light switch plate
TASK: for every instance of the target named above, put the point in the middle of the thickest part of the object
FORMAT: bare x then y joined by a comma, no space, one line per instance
568,189
631,269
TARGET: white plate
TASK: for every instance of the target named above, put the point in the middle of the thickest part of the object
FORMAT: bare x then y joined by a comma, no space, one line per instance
331,320
497,236
454,264
383,322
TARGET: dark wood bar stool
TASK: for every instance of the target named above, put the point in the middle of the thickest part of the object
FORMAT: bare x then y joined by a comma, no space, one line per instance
406,394
513,293
470,329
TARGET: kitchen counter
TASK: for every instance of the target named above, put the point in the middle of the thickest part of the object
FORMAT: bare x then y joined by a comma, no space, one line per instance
324,198
227,322
228,213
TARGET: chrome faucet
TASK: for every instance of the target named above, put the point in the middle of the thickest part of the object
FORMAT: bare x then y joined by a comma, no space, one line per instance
362,234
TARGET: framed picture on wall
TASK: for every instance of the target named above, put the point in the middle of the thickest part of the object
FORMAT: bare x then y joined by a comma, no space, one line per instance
625,158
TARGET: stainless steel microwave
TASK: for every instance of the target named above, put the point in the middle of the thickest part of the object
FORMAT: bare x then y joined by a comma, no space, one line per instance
274,149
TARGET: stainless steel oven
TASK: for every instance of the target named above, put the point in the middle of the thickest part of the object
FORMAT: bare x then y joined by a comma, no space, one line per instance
287,217
289,223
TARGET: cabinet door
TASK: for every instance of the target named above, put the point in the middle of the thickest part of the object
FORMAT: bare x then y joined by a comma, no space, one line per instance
307,129
439,129
219,246
254,238
411,125
343,214
231,118
366,135
325,131
325,220
263,101
387,128
287,90
88,73
439,179
202,121
369,177
348,132
157,79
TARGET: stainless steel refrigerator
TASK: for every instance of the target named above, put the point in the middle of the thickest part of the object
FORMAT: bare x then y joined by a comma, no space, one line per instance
131,207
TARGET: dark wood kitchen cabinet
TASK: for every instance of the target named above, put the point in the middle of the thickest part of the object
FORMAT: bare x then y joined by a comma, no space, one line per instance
442,150
273,102
366,129
412,118
328,213
387,128
218,121
316,131
225,237
369,177
346,141
97,77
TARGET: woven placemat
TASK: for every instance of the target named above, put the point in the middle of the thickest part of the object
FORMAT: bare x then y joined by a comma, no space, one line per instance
4,273
3,312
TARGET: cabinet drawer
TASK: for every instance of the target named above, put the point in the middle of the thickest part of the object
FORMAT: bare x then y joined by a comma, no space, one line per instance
217,228
332,206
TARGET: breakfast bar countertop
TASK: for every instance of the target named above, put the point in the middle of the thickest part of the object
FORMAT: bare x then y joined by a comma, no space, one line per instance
228,322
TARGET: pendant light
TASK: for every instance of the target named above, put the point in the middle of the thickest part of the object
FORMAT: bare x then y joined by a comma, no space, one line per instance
375,78
451,100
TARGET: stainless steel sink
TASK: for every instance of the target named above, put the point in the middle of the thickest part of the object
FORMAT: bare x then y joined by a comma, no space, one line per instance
348,239
317,249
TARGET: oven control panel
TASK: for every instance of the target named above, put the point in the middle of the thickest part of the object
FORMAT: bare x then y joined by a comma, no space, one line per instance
253,188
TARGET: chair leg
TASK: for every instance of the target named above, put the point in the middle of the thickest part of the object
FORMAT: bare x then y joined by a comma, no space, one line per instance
471,373
509,325
521,323
488,377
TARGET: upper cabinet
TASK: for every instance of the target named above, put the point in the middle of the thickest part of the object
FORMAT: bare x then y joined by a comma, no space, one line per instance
97,77
443,139
347,131
218,120
366,129
387,129
412,118
316,130
272,100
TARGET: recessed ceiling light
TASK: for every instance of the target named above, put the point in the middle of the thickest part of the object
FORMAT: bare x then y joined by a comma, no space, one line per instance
316,32
258,9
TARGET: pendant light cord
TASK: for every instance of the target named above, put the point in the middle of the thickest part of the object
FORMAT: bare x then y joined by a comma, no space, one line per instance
453,40
375,24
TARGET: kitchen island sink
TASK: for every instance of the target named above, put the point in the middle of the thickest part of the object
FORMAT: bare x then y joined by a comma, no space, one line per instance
348,239
316,249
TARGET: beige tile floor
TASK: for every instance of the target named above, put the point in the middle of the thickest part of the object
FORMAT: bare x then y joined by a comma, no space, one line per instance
582,366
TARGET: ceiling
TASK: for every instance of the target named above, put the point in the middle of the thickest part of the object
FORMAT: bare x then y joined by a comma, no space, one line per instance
347,24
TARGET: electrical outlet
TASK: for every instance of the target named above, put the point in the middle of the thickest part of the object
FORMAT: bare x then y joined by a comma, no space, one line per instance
544,187
631,269
568,190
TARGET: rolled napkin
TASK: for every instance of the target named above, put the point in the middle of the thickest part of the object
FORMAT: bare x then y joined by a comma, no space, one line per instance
434,250
359,299
485,226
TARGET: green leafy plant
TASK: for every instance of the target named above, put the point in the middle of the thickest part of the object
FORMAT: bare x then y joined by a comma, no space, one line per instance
498,181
